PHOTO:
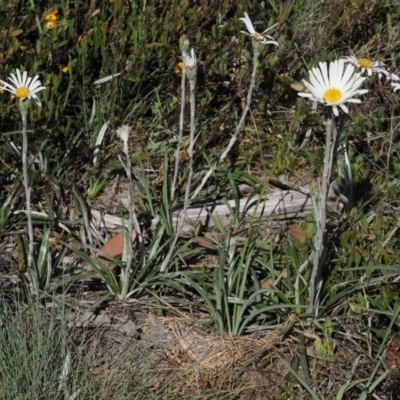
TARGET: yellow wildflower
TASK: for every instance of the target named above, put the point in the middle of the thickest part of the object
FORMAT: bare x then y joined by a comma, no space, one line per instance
178,68
52,16
65,70
50,25
51,19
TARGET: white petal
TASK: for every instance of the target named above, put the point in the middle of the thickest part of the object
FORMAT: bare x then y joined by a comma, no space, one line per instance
246,33
35,85
19,80
13,89
8,87
333,74
315,88
37,90
14,80
317,79
384,72
248,23
358,101
324,73
24,76
350,59
354,85
349,87
35,78
396,86
273,26
335,110
34,97
339,72
263,41
302,94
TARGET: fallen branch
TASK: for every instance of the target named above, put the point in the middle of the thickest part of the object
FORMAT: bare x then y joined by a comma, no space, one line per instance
282,203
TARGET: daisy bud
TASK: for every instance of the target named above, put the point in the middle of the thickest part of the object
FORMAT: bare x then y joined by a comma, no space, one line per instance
184,45
123,133
190,66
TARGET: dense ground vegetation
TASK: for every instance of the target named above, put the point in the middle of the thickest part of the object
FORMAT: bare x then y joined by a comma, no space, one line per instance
226,317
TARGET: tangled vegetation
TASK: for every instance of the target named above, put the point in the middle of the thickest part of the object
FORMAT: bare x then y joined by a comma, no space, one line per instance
134,136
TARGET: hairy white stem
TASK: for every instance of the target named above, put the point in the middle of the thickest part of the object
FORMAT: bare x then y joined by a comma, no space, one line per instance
192,84
299,276
24,113
238,128
132,223
180,135
191,145
320,219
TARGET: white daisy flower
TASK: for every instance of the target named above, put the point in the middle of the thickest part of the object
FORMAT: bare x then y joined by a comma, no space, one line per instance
368,66
24,87
258,37
336,87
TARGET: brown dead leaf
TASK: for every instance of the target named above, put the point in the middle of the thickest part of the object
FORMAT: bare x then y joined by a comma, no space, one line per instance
298,234
267,283
15,32
114,247
206,242
298,87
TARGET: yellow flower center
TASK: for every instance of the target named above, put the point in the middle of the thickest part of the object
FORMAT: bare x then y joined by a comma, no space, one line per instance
22,92
333,95
365,63
257,36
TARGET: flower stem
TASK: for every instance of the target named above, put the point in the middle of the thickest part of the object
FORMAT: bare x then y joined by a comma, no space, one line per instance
26,185
238,128
132,223
320,217
191,144
167,259
180,135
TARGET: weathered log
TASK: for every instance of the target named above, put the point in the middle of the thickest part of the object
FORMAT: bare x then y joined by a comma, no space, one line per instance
279,203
